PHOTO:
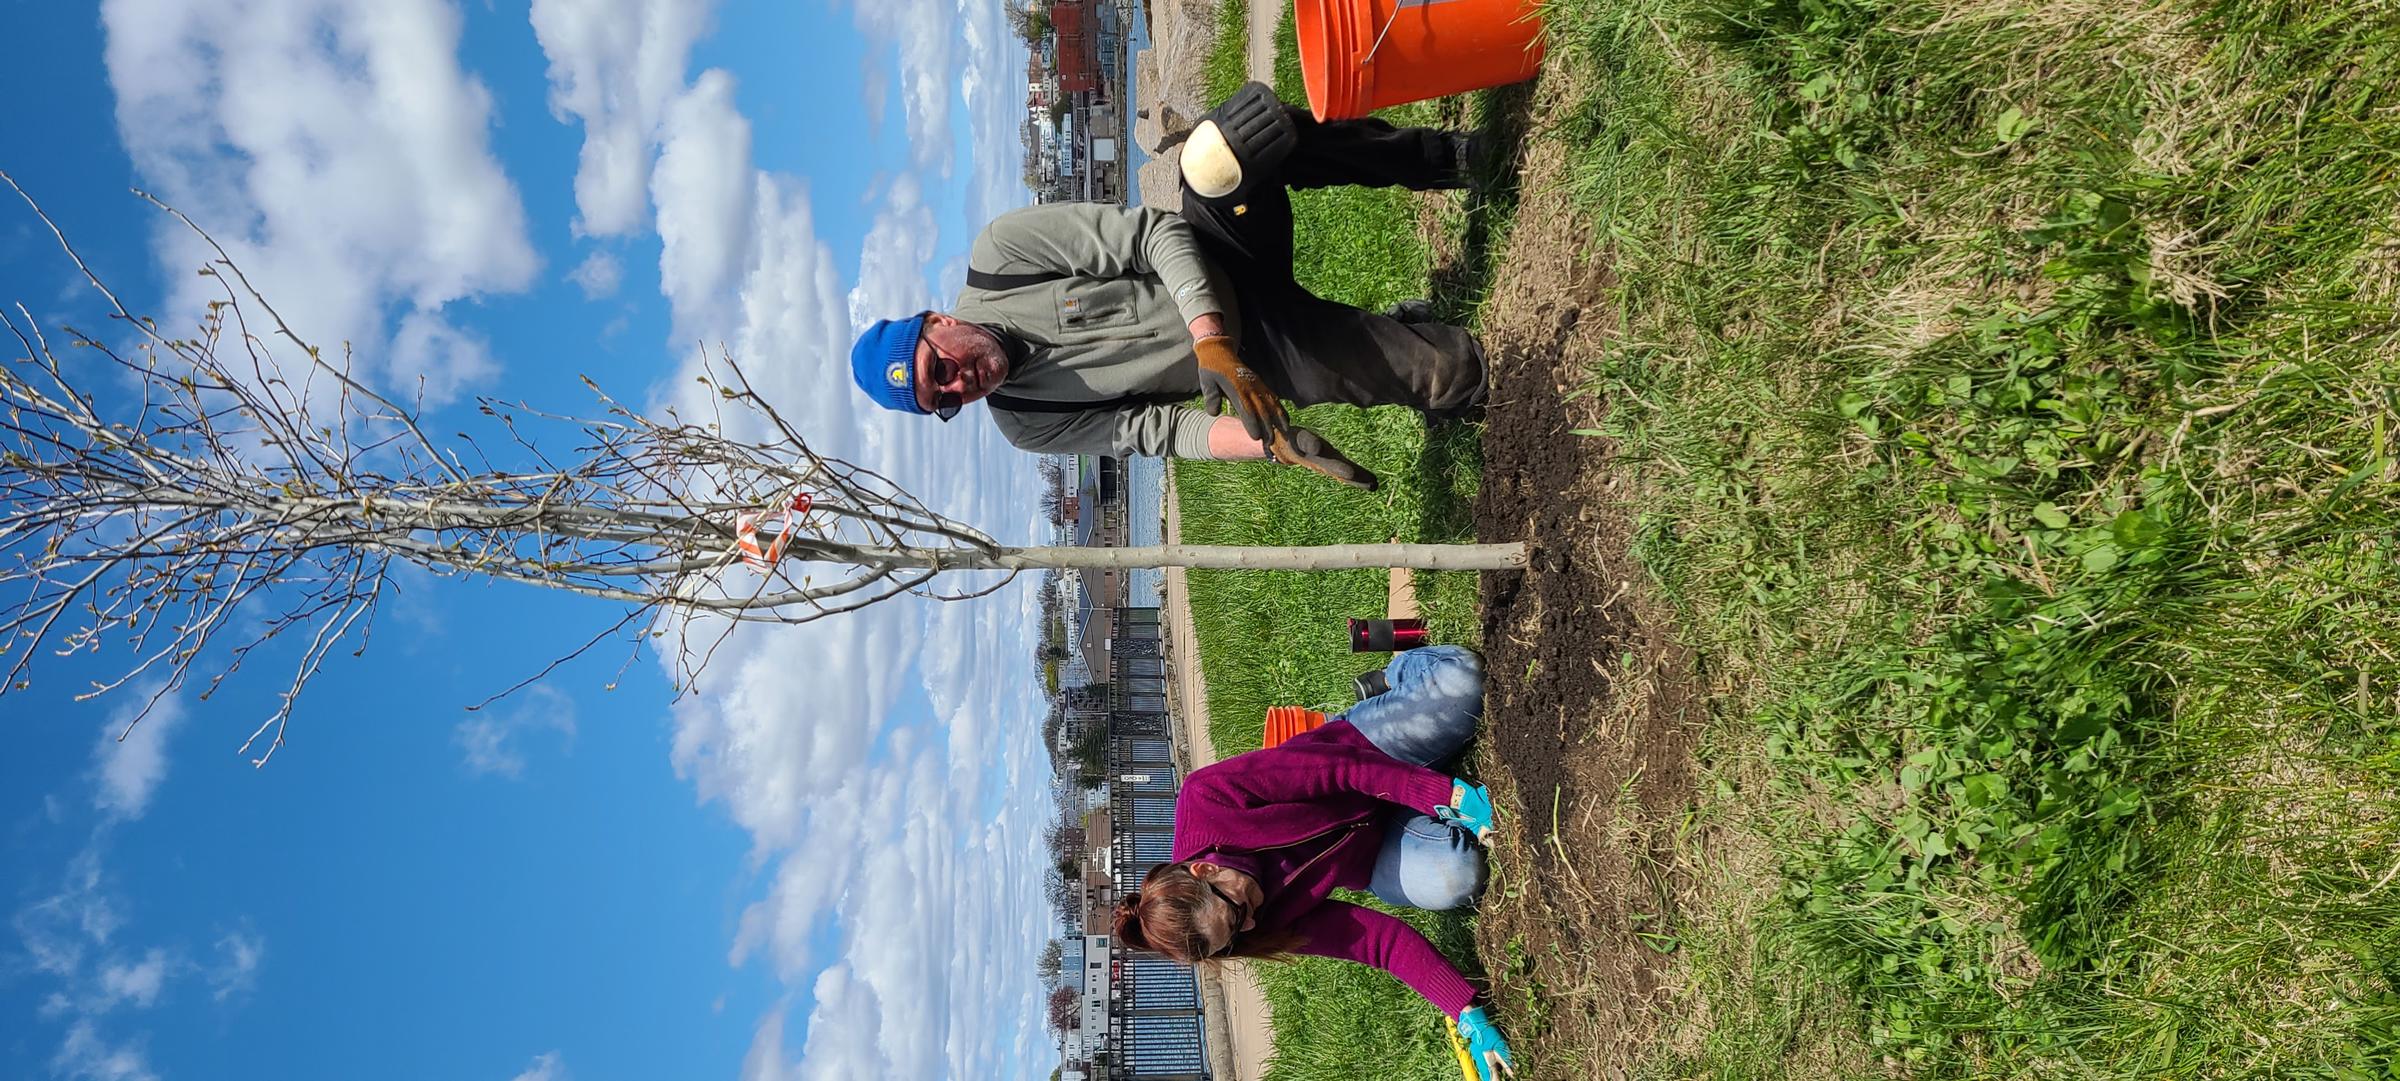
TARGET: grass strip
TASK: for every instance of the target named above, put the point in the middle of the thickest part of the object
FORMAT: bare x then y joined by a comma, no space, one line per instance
1279,638
2013,386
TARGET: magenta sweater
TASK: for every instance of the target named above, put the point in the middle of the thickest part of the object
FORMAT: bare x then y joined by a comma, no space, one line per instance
1305,817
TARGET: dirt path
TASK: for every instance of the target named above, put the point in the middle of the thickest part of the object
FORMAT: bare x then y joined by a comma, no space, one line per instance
1264,14
1241,1028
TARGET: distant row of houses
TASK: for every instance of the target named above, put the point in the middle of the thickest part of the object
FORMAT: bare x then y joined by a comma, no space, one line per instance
1141,1018
1075,93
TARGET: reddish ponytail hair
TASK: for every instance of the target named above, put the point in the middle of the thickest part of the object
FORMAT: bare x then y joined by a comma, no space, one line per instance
1165,918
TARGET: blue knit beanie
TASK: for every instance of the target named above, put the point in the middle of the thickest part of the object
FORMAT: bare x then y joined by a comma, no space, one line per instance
885,362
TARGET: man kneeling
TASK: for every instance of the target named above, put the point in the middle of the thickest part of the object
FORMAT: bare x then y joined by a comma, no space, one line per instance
1085,327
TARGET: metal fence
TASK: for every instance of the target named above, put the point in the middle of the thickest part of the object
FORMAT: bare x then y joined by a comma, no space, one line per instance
1155,1030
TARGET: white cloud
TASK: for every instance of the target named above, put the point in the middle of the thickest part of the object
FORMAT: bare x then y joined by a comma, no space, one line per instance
599,274
341,155
239,954
433,361
925,34
72,940
137,983
764,1061
881,827
989,86
874,91
545,1067
922,863
893,258
818,872
87,1056
69,937
902,897
130,769
57,929
787,717
743,265
490,738
951,54
615,65
705,192
845,1028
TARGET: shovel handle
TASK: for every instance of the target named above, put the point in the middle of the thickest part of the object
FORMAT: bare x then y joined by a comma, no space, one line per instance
1466,1062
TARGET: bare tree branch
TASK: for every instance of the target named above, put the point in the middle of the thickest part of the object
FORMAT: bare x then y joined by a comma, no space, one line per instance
151,498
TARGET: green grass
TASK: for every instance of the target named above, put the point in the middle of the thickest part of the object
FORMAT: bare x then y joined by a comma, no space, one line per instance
1274,638
1228,63
1374,256
2012,388
1363,248
1280,638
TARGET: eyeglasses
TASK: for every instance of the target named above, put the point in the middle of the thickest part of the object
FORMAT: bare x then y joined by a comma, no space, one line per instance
945,403
1241,915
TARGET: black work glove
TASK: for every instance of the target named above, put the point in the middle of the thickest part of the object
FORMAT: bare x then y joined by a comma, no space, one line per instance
1309,450
1223,376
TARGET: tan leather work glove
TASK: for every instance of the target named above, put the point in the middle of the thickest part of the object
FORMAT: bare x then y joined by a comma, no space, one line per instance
1307,449
1223,376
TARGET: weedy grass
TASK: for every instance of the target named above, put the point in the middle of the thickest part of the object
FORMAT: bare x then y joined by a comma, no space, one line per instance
1334,1019
1282,639
2012,388
1277,638
1359,245
1228,63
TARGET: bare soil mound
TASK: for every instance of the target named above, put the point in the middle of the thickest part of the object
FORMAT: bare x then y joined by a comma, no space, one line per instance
1591,714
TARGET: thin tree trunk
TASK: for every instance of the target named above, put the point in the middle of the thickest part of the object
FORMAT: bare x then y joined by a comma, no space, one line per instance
1423,557
266,493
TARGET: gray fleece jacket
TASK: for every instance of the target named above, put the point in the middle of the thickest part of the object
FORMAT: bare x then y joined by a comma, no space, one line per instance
1118,325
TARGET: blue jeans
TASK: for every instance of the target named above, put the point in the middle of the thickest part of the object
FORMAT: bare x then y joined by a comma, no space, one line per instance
1426,863
1431,710
1433,706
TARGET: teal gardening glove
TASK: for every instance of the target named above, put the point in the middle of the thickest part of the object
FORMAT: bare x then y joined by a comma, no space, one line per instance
1485,1045
1470,809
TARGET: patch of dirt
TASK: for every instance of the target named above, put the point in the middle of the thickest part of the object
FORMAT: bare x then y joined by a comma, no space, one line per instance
1591,707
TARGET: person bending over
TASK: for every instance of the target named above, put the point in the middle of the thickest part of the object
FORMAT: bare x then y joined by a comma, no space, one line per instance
1084,327
1262,839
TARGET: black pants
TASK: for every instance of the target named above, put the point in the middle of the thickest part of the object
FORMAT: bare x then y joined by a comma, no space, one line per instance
1310,349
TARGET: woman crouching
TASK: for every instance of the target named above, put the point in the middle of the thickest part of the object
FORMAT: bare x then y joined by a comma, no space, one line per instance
1262,839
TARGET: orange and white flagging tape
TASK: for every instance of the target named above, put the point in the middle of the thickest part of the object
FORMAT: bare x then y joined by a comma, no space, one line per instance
762,558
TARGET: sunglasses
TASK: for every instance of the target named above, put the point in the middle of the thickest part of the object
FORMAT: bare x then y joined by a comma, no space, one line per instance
945,403
1241,915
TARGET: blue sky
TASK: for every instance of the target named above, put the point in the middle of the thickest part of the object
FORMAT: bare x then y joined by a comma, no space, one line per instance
826,862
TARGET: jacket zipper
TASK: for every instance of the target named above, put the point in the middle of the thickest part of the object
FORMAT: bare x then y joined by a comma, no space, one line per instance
1312,860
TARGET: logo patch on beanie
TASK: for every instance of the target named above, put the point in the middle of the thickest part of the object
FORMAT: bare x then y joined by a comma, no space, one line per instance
897,374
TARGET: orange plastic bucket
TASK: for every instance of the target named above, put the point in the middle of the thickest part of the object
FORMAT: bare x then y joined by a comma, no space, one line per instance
1357,56
1284,722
